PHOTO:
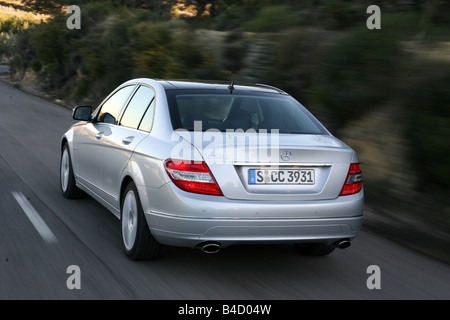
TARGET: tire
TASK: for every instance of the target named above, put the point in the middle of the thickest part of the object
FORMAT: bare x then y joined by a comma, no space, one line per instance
137,241
67,178
314,249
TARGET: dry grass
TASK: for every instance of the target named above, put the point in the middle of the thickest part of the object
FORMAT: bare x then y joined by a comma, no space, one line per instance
17,9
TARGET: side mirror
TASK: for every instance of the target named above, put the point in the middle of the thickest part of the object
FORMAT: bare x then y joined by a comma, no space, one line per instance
82,113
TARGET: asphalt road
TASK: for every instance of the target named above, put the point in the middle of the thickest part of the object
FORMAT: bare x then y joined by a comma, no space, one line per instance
4,68
36,251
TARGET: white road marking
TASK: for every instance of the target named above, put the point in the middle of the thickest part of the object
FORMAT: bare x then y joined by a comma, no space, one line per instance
35,218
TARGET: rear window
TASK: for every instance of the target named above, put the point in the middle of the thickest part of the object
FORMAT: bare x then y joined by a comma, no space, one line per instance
220,110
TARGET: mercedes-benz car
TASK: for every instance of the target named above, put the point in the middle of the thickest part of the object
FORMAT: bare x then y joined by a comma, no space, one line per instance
211,164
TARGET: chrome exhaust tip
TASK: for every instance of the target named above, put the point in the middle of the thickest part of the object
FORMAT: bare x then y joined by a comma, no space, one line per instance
342,244
210,247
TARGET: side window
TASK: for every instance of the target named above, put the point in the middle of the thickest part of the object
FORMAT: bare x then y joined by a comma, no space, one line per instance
147,121
138,106
110,110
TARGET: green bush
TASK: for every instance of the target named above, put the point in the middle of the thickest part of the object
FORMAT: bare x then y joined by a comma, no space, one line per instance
104,56
361,71
150,50
259,61
233,17
339,14
22,52
428,130
17,23
358,73
53,45
50,39
157,51
185,54
272,19
7,40
297,58
233,52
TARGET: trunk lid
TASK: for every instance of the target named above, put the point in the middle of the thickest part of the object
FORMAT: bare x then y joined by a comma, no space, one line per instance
258,166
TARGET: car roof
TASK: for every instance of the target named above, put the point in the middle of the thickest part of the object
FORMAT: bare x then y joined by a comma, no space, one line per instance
169,84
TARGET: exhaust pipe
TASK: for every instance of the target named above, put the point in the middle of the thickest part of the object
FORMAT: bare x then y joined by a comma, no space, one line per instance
342,244
210,247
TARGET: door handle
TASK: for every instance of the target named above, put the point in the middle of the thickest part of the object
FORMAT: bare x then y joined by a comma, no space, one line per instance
128,140
99,135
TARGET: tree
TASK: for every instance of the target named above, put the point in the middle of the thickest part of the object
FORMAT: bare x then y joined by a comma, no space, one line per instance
213,7
45,6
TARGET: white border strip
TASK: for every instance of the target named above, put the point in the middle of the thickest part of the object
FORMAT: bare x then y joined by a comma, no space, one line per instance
35,218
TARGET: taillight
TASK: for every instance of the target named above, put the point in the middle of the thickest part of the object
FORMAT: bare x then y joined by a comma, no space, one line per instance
353,183
192,177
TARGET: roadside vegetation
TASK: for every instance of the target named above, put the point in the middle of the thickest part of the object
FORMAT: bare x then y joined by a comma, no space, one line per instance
386,92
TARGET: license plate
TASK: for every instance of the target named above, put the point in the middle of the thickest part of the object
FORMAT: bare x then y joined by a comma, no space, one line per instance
281,176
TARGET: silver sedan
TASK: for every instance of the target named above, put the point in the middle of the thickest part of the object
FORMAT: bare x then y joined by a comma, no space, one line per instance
212,164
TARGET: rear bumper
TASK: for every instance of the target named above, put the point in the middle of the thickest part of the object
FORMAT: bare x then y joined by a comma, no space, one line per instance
229,232
183,219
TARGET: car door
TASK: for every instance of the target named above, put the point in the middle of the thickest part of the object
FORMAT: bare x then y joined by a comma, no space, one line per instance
88,143
118,146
